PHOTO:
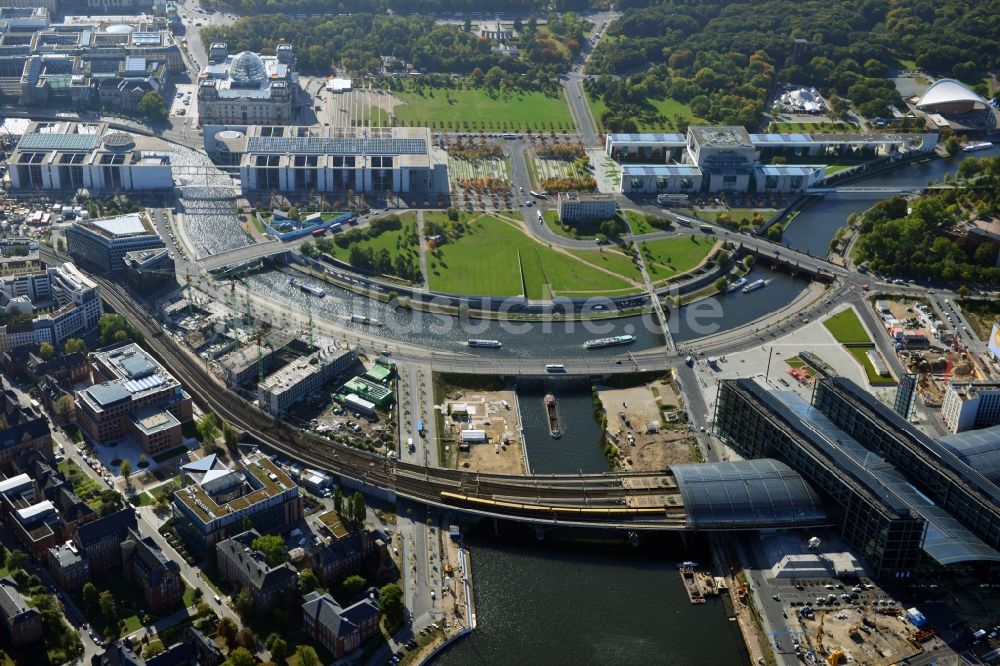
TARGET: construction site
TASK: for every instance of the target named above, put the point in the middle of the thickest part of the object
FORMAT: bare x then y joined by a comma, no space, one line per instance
862,635
927,346
485,427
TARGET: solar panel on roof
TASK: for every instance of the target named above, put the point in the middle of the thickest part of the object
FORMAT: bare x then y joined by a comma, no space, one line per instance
335,146
53,141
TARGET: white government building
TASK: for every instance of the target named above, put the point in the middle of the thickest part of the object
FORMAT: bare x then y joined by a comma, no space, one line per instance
330,159
67,156
730,159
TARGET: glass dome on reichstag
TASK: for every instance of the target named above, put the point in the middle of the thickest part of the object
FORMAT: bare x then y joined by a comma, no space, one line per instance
247,68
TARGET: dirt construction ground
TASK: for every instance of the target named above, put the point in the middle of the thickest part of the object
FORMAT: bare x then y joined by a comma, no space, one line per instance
646,442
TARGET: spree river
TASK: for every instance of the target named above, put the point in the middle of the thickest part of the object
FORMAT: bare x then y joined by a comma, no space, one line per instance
814,228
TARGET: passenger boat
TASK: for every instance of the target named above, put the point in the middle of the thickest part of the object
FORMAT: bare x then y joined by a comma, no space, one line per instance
977,145
609,342
368,321
733,286
550,408
310,289
754,286
493,344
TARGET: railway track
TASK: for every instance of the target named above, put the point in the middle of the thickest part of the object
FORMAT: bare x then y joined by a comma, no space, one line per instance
552,494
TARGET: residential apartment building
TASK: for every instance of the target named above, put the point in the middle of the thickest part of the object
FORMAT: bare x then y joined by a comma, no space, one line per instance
77,301
134,396
248,569
22,623
100,541
103,243
70,569
341,630
302,377
158,577
24,429
971,405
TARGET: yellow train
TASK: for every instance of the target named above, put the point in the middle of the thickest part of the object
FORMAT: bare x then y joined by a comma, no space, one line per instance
539,509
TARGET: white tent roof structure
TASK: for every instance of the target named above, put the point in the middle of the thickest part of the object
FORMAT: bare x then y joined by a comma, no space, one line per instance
948,91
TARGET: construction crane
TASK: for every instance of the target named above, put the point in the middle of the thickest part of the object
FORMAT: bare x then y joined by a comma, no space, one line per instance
233,312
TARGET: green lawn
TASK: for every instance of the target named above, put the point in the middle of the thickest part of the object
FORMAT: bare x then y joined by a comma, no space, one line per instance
795,362
85,487
860,355
846,327
667,257
190,597
475,109
612,259
637,223
672,112
491,256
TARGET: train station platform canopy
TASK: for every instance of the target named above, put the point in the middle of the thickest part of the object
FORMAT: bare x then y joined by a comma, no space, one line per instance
747,494
946,540
980,449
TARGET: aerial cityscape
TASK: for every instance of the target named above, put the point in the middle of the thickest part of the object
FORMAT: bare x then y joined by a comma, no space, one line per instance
454,333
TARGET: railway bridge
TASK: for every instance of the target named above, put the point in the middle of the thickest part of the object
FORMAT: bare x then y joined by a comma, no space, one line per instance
741,495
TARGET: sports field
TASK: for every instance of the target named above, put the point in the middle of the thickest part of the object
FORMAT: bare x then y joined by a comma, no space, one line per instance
667,257
472,109
494,257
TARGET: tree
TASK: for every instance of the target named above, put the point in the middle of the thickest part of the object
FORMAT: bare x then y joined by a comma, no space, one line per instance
721,284
273,547
203,609
308,582
240,657
231,437
207,427
357,509
60,244
246,638
277,646
338,501
111,325
106,603
90,596
151,106
14,559
153,648
353,584
307,656
46,351
963,291
227,631
390,601
243,604
126,469
74,345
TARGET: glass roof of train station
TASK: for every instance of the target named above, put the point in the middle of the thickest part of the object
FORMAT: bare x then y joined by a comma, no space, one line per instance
747,494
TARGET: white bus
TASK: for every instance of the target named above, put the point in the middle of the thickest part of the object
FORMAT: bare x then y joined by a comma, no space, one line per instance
539,195
555,367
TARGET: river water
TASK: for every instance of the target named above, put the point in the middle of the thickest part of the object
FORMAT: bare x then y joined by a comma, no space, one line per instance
527,339
814,228
561,602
